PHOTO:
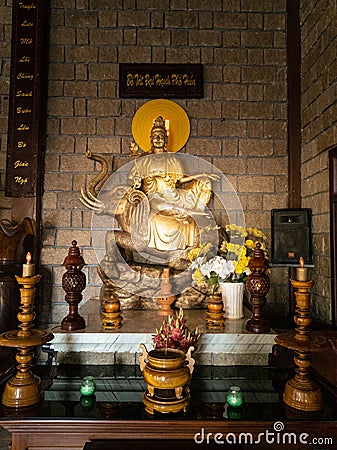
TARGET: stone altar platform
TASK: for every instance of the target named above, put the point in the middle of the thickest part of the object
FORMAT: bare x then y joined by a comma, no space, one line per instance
230,346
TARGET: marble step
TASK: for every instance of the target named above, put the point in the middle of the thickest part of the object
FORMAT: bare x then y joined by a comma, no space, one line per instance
228,347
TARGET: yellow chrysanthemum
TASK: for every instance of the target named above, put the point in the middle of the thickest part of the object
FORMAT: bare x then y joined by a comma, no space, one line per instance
238,229
197,276
249,243
193,253
199,251
242,264
257,233
234,248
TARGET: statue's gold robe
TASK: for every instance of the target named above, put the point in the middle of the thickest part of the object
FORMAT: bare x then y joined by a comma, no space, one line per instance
171,225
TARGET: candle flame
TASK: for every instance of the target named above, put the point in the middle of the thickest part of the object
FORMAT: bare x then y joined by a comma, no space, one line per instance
301,262
28,258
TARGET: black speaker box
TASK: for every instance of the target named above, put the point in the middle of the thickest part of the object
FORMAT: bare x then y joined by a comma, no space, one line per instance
291,236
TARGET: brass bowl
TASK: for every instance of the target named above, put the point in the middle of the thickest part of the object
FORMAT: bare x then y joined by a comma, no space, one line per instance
166,369
167,359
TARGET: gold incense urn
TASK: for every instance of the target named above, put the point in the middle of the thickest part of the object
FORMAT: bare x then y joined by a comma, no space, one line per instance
167,373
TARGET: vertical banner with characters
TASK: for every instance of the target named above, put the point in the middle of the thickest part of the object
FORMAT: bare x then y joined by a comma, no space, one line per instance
24,144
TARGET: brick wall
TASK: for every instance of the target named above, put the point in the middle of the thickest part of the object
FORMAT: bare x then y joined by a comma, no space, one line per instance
239,126
319,118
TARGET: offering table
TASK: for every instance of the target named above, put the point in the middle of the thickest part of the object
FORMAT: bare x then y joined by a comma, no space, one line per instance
115,417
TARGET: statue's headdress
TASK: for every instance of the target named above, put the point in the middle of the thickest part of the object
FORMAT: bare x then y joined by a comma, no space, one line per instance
159,124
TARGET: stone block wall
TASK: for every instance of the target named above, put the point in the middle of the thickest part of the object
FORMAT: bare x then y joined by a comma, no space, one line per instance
319,119
240,125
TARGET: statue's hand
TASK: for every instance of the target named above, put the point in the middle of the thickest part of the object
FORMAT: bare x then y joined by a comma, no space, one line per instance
212,176
134,149
179,213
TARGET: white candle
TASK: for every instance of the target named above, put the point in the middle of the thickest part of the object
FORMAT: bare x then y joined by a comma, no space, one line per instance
301,272
28,269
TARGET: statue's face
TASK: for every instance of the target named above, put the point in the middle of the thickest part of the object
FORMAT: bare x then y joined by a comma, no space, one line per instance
158,139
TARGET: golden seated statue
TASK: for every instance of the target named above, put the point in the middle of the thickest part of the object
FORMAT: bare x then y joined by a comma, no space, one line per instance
159,210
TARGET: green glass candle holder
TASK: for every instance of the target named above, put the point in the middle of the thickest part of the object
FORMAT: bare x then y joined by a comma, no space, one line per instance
234,413
234,397
88,402
88,386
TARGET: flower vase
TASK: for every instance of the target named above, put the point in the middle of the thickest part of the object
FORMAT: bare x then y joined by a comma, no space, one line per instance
232,297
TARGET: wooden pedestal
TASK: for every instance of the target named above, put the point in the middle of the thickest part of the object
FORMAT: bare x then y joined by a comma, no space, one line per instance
215,313
111,314
258,285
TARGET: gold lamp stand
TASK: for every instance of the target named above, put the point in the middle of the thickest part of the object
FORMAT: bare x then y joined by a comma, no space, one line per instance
302,392
24,389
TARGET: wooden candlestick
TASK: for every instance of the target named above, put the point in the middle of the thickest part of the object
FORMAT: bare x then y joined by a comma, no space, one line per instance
302,392
73,283
24,389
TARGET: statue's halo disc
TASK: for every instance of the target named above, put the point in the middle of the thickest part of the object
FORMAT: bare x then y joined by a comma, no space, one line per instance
179,128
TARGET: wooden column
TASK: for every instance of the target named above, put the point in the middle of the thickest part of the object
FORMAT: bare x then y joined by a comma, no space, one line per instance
294,103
